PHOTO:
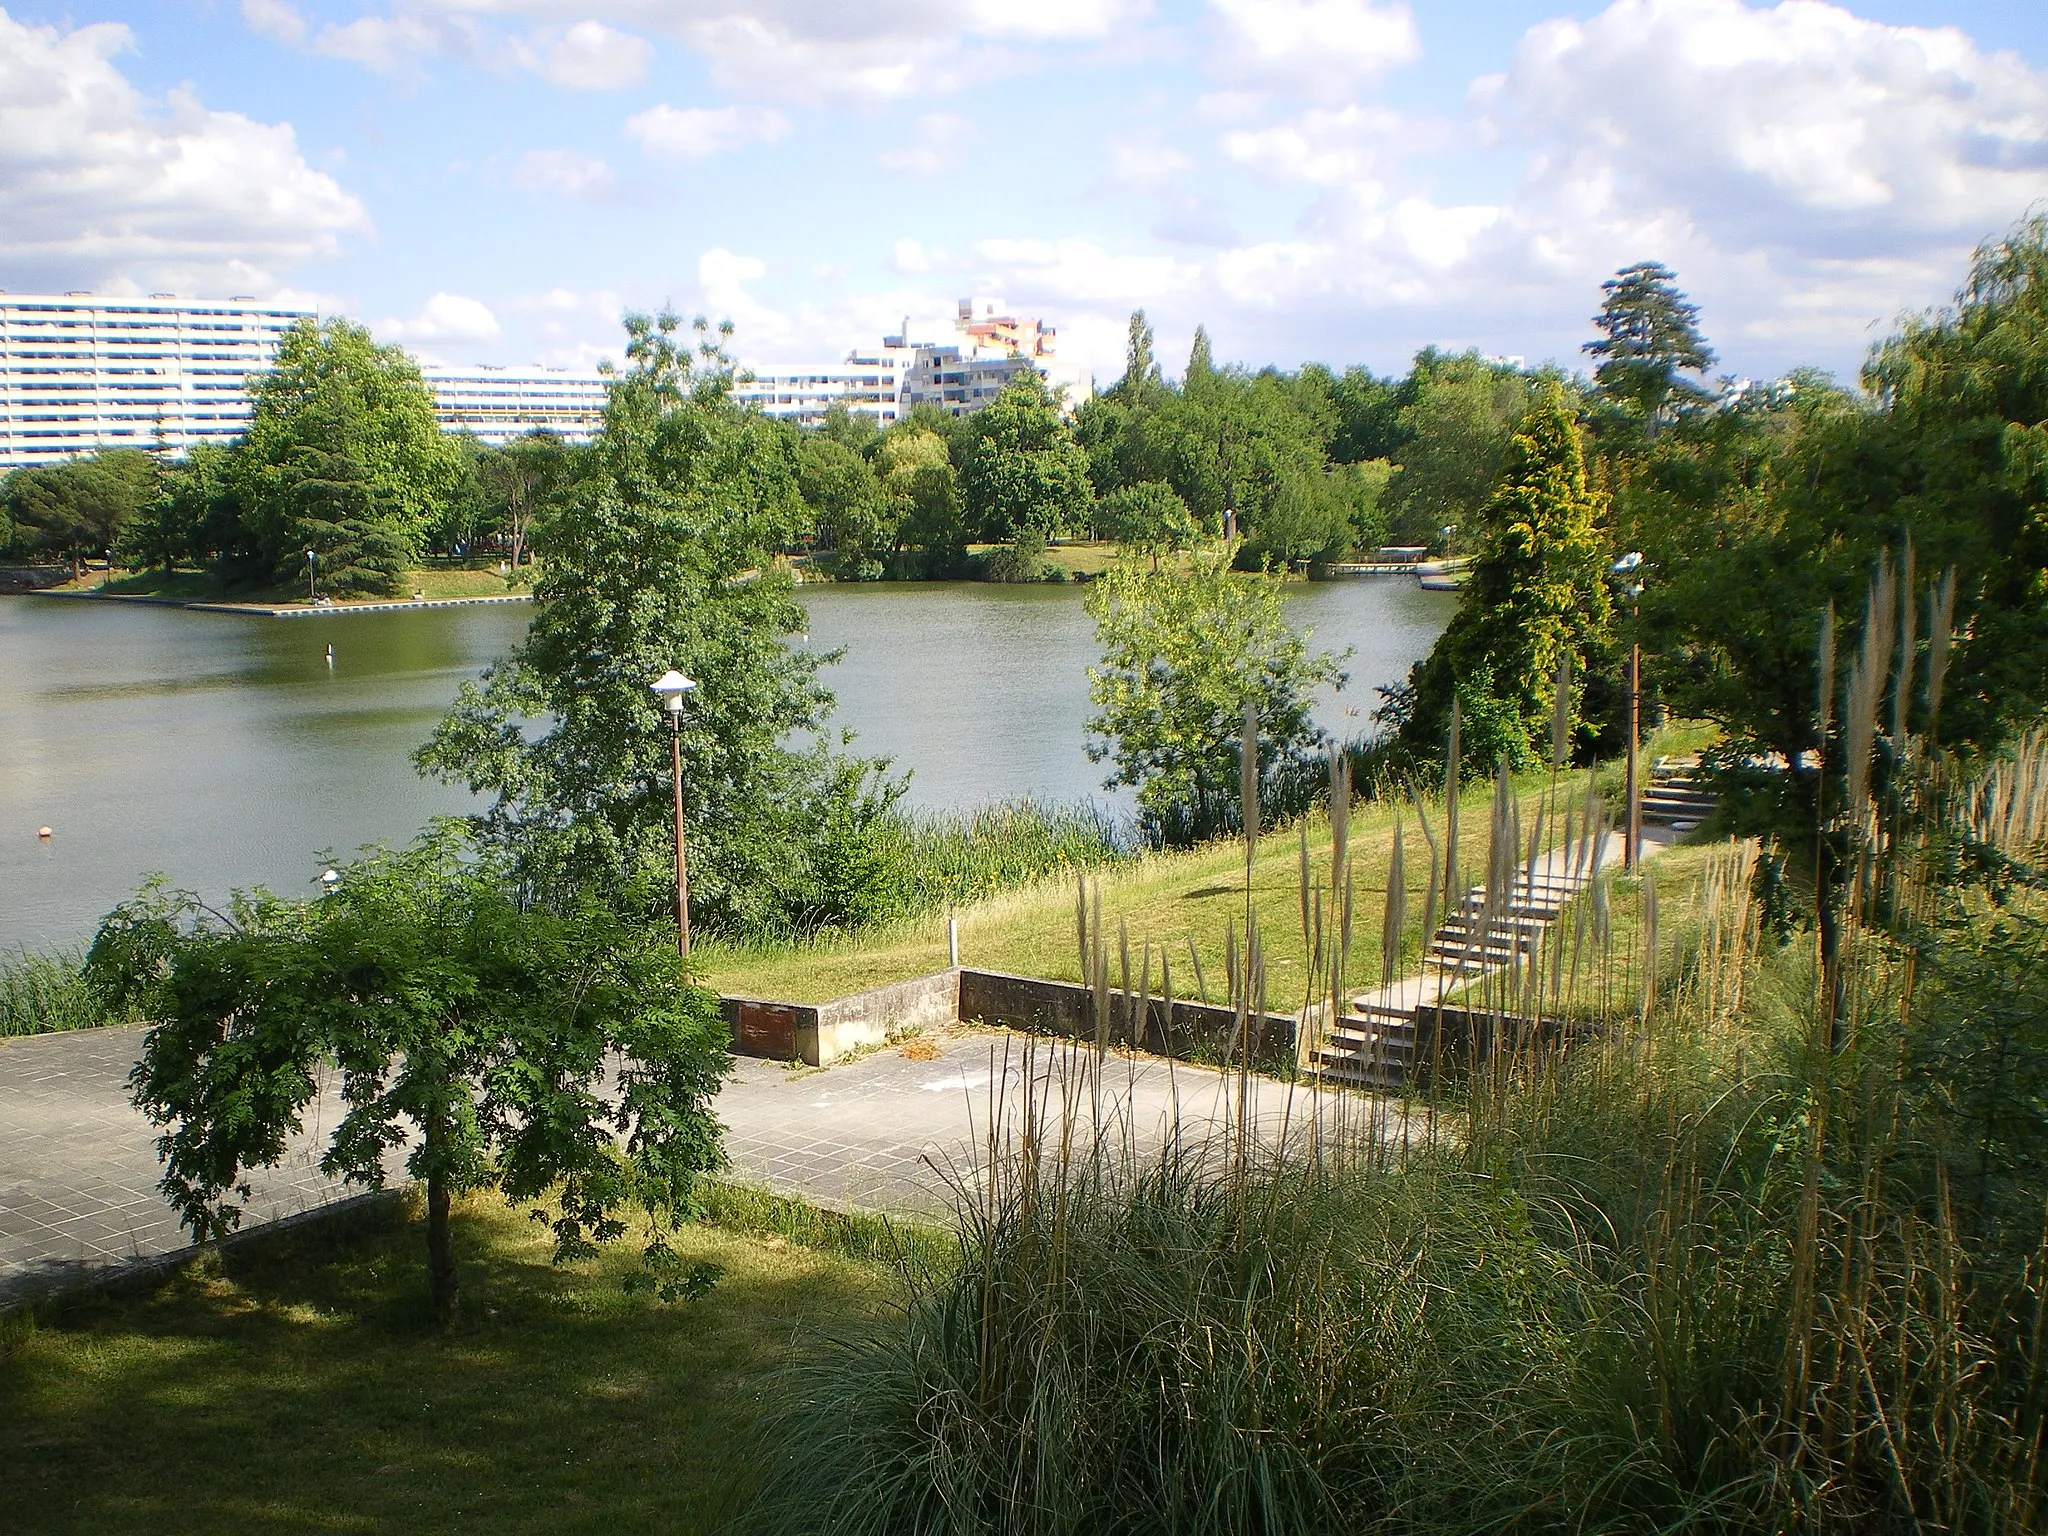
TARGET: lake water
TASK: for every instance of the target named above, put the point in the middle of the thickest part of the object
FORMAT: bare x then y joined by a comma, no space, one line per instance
225,751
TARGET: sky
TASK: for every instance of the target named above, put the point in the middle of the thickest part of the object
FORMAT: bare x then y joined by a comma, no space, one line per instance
1340,181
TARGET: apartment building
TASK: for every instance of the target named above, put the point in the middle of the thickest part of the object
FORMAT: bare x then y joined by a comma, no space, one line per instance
79,372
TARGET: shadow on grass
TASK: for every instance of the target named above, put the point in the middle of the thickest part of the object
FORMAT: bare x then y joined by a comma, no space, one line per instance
297,1382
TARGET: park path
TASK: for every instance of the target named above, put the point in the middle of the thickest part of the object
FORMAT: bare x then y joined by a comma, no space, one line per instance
78,1164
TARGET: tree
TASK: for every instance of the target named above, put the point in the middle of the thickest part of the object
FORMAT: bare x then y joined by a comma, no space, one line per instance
1457,417
344,525
846,501
657,558
1147,517
1141,380
1201,362
81,507
333,391
476,1029
520,481
1536,594
916,474
1023,471
1649,336
1182,655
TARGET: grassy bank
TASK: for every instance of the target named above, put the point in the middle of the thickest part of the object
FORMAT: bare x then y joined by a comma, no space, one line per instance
185,586
1171,899
297,1384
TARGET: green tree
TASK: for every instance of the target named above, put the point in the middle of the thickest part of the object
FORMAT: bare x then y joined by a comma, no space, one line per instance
335,392
1147,517
1649,338
1023,469
1182,655
915,469
659,558
81,507
521,480
1537,594
852,516
477,1030
1457,417
1201,359
1141,381
345,526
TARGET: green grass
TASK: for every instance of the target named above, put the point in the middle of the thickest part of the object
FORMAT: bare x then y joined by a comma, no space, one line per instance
44,992
433,581
296,1384
1169,898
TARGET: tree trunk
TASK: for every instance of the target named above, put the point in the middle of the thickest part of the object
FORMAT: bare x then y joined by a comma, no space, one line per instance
440,1255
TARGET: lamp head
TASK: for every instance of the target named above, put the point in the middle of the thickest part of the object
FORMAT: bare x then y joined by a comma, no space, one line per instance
1628,563
671,686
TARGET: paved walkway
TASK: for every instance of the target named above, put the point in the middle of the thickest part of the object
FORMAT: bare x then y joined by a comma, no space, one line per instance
78,1164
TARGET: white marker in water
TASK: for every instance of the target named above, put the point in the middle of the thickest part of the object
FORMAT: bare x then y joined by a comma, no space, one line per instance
330,655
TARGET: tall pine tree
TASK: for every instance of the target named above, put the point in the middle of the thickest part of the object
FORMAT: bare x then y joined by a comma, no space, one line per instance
1649,338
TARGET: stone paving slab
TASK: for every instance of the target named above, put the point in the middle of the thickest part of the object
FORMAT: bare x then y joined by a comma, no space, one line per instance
78,1164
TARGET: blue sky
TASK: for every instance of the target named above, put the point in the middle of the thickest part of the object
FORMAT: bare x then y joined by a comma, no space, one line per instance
1337,180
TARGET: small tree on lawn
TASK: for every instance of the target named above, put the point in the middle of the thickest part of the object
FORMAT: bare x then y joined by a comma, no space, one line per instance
474,1030
1182,654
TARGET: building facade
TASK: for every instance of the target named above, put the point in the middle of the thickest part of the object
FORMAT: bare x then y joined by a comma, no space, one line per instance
80,373
499,404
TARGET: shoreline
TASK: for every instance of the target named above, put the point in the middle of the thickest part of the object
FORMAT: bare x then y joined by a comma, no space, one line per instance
280,611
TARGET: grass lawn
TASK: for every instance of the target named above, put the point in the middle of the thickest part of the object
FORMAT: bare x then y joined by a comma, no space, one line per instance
1169,898
435,581
295,1384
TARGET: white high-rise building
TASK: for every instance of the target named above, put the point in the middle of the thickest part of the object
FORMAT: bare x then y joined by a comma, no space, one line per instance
79,372
498,404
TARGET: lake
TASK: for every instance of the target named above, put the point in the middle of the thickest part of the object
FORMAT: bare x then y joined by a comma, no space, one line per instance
225,750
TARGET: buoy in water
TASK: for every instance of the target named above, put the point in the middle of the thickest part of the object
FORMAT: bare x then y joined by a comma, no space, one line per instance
43,834
330,655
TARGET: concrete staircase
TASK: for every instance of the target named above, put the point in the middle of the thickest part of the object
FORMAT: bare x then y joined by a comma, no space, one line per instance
1673,796
1372,1045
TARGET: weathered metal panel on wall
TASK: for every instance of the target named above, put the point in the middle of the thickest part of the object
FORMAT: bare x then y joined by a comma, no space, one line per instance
767,1029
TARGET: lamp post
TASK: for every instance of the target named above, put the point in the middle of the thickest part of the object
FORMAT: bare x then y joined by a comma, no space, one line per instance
311,560
671,686
1447,530
1627,566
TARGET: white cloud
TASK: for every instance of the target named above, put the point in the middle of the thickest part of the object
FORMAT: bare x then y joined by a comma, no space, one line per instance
583,177
1800,125
935,145
909,256
588,56
1147,164
444,317
1326,145
807,51
277,19
102,185
1322,47
697,133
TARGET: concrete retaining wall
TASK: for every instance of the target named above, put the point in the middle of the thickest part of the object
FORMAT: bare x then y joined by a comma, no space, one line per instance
1191,1030
819,1034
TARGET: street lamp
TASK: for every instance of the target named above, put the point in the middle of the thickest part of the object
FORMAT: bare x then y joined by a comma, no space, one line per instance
1447,530
1627,566
671,686
311,560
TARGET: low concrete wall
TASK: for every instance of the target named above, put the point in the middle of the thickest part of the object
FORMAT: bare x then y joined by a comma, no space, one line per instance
1189,1030
32,578
819,1034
